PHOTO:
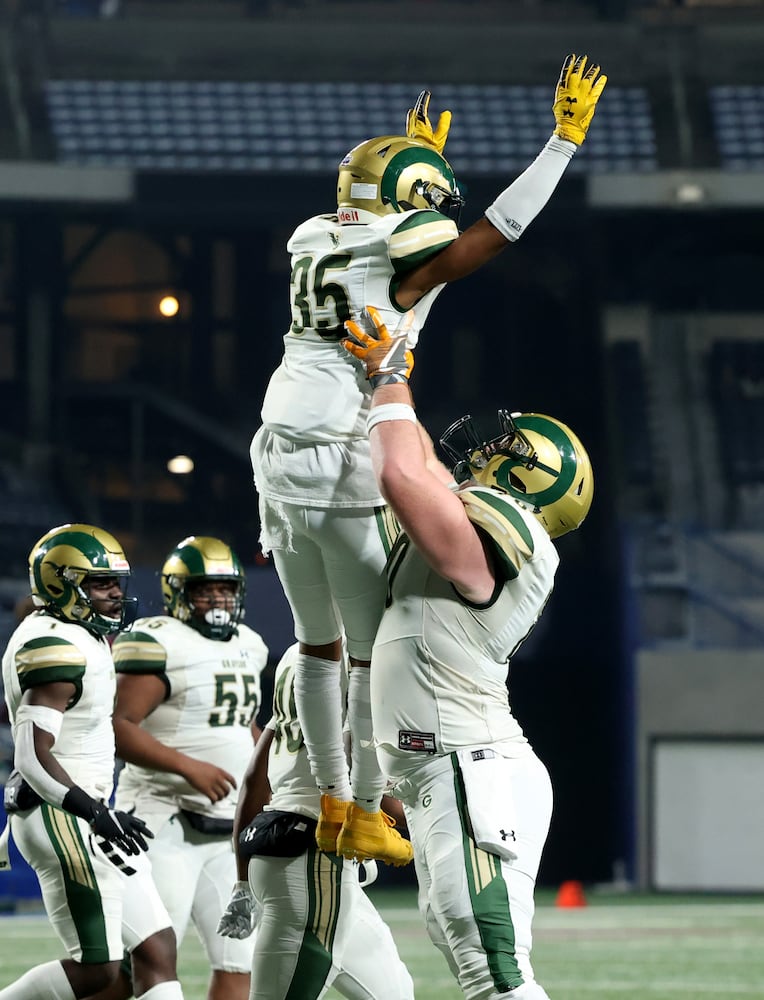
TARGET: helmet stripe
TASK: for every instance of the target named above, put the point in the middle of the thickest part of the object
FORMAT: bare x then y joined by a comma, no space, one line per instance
192,557
567,474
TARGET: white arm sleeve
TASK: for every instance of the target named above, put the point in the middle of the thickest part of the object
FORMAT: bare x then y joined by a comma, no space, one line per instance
519,204
25,758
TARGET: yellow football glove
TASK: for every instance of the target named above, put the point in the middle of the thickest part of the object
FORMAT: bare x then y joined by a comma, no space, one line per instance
419,126
576,97
385,358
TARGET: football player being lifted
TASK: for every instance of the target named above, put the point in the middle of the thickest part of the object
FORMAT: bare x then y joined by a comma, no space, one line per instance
392,241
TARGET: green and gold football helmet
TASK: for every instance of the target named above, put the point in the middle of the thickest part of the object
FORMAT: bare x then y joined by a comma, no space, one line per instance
537,459
395,173
61,562
194,560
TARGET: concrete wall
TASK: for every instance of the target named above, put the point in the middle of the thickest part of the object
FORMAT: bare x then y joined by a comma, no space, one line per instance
709,695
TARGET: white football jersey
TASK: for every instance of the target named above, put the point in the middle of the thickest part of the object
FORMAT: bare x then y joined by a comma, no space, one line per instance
319,395
213,694
440,664
319,391
293,787
43,650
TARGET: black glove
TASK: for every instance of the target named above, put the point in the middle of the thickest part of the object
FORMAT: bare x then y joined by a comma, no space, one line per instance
120,828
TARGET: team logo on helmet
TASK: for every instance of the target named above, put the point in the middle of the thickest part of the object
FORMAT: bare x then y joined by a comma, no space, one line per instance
535,458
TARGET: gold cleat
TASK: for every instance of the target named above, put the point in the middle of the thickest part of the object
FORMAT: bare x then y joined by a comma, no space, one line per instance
366,835
330,823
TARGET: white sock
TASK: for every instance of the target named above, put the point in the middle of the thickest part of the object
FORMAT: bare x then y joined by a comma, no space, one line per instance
318,696
44,982
366,779
163,991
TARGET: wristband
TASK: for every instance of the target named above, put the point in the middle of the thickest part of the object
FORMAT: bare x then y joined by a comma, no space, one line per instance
377,380
390,411
79,803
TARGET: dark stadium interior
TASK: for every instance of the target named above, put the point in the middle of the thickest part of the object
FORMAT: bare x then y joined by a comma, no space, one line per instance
169,148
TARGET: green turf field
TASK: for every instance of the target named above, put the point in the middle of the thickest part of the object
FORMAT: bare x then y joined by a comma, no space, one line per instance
615,948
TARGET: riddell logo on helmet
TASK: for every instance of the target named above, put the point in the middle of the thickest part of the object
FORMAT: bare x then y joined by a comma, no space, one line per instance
348,215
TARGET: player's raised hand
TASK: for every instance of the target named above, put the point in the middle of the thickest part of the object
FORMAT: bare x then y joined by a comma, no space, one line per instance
385,356
575,98
419,126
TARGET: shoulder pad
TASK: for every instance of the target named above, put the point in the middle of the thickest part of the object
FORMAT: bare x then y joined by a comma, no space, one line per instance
46,659
502,520
137,652
417,236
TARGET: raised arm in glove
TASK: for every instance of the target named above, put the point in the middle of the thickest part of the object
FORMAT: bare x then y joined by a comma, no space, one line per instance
419,126
575,98
576,95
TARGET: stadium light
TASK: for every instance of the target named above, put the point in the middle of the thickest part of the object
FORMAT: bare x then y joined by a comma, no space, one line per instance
180,465
169,306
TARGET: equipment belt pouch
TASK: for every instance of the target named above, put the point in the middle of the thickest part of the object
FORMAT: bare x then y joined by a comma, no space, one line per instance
488,791
277,834
19,796
213,826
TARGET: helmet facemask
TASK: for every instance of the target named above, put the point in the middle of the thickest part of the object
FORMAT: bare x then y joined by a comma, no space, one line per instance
437,197
86,610
537,459
218,621
198,560
470,453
